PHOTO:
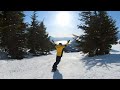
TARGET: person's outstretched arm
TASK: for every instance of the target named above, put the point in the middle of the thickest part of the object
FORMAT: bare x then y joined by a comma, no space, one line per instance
67,43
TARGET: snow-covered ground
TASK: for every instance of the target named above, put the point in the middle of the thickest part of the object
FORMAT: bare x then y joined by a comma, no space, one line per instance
72,66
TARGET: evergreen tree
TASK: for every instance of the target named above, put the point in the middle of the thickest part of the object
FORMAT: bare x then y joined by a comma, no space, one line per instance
100,32
108,32
38,40
12,33
32,31
45,45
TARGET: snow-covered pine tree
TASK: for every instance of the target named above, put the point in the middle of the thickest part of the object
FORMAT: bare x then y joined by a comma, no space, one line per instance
12,33
100,32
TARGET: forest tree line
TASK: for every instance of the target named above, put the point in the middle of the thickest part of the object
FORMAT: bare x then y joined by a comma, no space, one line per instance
16,36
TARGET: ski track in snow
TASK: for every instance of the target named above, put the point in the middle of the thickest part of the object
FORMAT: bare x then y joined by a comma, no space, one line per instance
72,66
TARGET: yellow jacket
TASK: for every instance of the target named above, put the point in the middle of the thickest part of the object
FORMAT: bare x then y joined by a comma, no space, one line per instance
60,48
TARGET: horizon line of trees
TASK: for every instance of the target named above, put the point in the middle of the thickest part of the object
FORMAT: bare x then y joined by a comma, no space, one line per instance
16,36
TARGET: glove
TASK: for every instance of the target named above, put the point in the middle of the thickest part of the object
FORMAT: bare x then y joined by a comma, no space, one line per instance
68,40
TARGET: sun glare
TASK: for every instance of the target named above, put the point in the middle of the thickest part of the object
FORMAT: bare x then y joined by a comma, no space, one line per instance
63,18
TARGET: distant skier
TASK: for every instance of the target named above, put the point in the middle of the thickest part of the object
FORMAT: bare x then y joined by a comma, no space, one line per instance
59,49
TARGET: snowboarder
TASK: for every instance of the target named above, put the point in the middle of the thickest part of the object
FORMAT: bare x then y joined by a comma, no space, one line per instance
59,49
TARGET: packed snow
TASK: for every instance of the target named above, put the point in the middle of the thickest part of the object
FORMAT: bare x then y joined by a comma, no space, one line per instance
73,65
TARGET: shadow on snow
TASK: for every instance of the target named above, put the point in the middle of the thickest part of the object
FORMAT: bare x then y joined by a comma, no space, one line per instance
103,60
114,50
57,75
3,56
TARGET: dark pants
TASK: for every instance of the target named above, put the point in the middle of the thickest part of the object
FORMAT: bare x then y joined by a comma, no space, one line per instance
58,58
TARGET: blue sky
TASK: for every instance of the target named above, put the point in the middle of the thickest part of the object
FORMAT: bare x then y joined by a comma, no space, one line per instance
64,23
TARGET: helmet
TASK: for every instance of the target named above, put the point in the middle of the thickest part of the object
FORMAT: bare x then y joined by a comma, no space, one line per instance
60,43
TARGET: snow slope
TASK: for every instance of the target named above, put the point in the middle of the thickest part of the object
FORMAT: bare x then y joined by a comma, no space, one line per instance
72,66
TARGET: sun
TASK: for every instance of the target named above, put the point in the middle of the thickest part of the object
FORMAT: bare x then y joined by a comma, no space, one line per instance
63,18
